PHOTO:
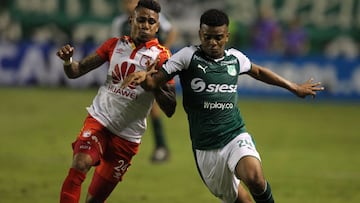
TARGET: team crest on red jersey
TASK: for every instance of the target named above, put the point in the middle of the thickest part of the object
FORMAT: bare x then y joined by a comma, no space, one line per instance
119,73
144,60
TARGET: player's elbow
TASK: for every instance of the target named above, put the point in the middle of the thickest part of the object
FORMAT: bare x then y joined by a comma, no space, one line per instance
169,112
71,75
166,99
147,86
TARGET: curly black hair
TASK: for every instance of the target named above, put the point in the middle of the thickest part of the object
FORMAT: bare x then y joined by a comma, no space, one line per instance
214,17
149,4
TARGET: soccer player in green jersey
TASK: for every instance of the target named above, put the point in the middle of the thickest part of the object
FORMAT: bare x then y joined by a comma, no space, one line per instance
224,151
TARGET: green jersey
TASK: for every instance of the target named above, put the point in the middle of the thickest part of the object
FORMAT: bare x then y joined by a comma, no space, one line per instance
209,88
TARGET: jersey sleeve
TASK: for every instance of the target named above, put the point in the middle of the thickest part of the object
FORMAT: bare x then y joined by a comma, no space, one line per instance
106,49
163,57
244,61
179,61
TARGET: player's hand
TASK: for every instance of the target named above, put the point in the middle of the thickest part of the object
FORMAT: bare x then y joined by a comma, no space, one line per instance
65,52
152,66
138,77
308,88
134,78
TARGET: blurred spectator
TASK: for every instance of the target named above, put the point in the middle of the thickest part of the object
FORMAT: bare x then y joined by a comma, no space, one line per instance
296,41
266,32
9,29
344,46
49,33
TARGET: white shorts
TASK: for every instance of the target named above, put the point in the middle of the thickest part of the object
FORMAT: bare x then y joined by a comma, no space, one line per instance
217,166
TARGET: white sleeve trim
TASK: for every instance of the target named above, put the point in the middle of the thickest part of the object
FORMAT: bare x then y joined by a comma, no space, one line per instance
244,61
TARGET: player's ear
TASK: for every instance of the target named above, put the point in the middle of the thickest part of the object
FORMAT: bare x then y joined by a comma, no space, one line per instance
158,26
199,33
130,19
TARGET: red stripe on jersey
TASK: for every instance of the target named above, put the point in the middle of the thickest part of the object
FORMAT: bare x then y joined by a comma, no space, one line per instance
163,56
106,50
133,53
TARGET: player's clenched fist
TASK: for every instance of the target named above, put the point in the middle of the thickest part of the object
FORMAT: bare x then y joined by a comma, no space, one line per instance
65,52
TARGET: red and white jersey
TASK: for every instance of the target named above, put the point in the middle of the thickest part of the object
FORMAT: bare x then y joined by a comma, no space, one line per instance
124,111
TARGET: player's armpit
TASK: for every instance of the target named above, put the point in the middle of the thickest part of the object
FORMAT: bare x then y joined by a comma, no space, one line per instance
165,96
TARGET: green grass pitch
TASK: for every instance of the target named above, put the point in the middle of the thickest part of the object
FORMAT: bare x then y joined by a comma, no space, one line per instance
310,150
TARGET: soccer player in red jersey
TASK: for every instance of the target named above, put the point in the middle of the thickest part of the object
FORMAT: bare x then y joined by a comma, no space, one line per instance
116,119
166,35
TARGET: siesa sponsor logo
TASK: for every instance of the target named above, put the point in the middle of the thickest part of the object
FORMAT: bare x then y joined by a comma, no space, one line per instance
198,85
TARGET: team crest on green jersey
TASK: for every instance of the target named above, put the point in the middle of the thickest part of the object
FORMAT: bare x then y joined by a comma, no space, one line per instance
231,70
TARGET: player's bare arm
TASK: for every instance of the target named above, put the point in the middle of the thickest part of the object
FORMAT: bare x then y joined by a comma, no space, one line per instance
143,77
153,80
301,90
165,96
75,69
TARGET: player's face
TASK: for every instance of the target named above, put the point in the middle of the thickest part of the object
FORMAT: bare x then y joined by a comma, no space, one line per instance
144,25
213,40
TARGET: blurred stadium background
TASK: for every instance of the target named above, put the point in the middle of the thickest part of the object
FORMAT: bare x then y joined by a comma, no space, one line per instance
32,30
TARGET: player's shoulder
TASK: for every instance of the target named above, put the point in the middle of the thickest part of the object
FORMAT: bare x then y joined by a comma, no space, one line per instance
113,39
232,50
235,52
188,50
185,53
163,50
111,42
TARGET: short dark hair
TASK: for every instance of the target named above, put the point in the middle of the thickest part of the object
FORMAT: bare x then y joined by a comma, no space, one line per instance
214,17
149,4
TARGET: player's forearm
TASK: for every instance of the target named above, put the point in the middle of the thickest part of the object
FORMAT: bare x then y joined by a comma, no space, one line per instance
275,79
267,76
154,81
74,69
148,84
166,98
71,69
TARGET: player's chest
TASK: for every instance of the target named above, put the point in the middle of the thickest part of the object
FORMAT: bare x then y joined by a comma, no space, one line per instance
214,72
129,59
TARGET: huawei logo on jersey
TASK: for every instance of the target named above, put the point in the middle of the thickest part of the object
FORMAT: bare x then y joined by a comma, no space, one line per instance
119,73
